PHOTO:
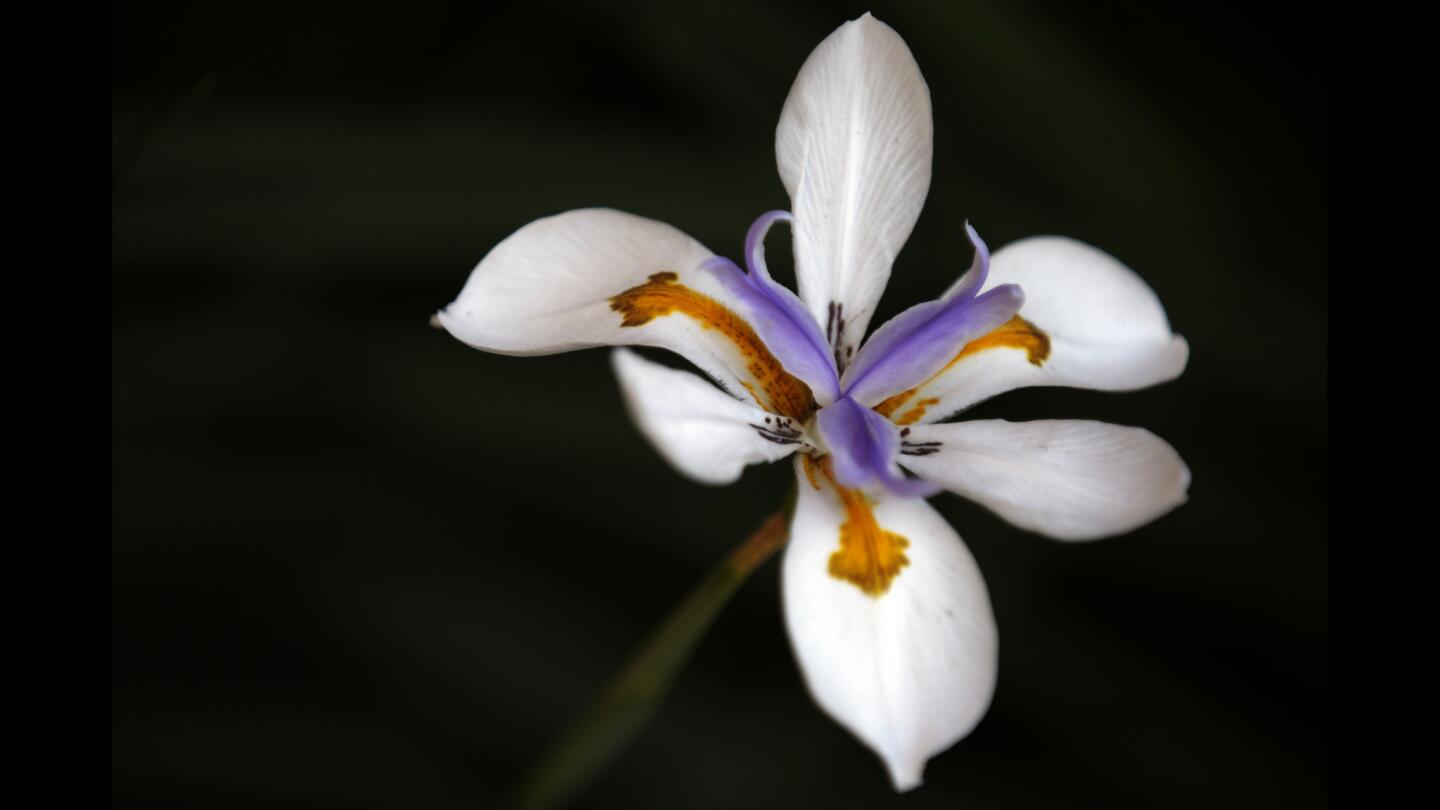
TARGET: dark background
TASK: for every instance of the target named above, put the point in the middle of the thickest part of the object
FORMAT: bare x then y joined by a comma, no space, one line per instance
359,564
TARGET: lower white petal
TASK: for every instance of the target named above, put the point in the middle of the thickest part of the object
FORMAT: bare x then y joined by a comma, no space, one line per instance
705,433
1072,480
892,627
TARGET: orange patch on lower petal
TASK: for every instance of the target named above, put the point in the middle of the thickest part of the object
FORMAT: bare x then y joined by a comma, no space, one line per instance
869,556
1016,333
663,295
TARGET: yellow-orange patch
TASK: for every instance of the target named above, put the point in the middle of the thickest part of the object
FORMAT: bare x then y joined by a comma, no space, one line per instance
809,464
1016,333
663,295
869,557
917,411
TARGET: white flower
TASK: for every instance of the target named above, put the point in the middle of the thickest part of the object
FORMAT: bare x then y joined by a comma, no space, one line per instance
886,609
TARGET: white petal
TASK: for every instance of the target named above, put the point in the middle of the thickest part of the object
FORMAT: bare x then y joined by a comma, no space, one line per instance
911,670
552,286
705,433
854,146
1105,327
1072,480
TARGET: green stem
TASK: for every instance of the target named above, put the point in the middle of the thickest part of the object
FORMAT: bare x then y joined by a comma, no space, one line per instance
621,711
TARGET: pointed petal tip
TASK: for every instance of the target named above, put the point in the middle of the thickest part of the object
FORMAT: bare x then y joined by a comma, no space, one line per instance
1184,482
905,775
1182,350
1180,494
1169,361
868,23
869,19
447,319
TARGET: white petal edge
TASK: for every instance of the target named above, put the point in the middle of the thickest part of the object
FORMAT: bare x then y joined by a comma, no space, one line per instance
706,434
1106,327
547,288
910,672
1068,479
854,147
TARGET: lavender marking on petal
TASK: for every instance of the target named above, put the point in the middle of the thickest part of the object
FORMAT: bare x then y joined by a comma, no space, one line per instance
974,278
777,314
918,342
755,241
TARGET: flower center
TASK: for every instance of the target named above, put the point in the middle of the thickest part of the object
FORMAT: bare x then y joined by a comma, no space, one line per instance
864,446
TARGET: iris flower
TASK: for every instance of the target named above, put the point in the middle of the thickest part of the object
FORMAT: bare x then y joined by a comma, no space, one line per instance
886,609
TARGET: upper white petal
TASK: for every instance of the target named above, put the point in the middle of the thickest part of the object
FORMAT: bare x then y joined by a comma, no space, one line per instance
1072,480
911,671
1106,328
705,433
549,288
854,147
